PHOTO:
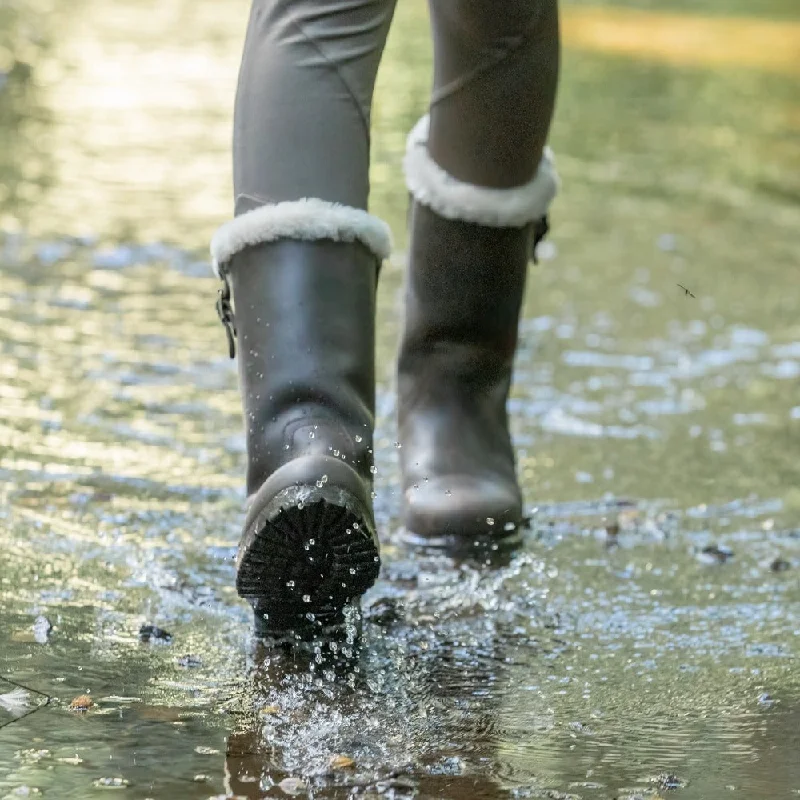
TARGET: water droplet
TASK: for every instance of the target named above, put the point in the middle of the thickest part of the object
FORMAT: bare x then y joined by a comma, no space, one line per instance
398,445
509,526
324,478
336,453
306,598
376,559
312,541
359,438
489,520
373,494
373,469
290,584
286,447
348,531
447,492
352,570
311,434
320,484
355,526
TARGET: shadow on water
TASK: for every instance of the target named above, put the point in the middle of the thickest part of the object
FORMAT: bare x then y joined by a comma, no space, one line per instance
642,643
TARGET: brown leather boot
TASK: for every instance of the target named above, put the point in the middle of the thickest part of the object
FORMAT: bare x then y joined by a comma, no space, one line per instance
304,278
468,261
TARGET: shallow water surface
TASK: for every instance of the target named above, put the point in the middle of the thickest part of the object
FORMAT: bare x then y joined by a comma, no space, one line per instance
644,642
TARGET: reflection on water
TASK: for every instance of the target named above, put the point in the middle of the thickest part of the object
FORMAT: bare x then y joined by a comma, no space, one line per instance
643,642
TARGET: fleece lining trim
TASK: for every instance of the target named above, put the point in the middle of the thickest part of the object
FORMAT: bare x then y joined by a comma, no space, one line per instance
454,199
308,219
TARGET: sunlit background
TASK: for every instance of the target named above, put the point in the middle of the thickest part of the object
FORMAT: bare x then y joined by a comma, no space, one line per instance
646,640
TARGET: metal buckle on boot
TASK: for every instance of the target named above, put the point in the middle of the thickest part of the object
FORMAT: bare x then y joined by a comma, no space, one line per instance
225,311
540,230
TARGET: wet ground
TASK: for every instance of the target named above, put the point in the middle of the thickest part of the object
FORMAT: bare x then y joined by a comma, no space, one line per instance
645,642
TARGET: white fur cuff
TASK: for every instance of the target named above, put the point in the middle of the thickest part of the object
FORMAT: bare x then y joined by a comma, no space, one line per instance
454,199
308,219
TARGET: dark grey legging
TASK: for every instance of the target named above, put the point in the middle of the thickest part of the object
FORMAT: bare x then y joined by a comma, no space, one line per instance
305,90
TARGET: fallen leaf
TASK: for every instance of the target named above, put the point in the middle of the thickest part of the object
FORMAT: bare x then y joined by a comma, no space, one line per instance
342,762
81,703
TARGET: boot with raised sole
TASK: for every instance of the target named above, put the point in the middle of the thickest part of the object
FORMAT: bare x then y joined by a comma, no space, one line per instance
468,260
303,277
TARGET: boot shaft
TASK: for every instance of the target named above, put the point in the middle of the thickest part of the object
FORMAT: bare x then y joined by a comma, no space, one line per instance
305,316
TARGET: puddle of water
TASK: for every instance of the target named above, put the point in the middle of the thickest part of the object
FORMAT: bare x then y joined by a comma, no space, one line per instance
644,642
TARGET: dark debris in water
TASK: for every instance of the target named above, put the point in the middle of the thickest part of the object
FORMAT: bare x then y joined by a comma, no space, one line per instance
780,565
384,612
154,635
716,554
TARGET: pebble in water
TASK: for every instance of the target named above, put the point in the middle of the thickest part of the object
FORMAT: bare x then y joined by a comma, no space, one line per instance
189,661
110,783
668,781
41,629
765,699
292,786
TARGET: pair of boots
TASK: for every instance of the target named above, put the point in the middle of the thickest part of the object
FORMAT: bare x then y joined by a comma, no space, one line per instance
303,276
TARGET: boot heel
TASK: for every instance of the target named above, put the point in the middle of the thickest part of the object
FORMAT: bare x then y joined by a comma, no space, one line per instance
309,546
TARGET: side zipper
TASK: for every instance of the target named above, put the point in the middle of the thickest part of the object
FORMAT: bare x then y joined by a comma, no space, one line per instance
225,310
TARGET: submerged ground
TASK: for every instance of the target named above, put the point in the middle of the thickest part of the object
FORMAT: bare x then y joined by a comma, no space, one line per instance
645,642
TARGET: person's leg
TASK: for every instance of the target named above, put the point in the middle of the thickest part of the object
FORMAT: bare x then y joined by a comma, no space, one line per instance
302,256
481,184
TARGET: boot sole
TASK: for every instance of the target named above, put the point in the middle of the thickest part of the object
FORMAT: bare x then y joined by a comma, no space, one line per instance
309,547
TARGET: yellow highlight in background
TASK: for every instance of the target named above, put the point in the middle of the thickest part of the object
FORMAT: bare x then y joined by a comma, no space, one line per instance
685,39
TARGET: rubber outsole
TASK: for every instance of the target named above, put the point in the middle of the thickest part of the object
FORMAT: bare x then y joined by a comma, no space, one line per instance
309,552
